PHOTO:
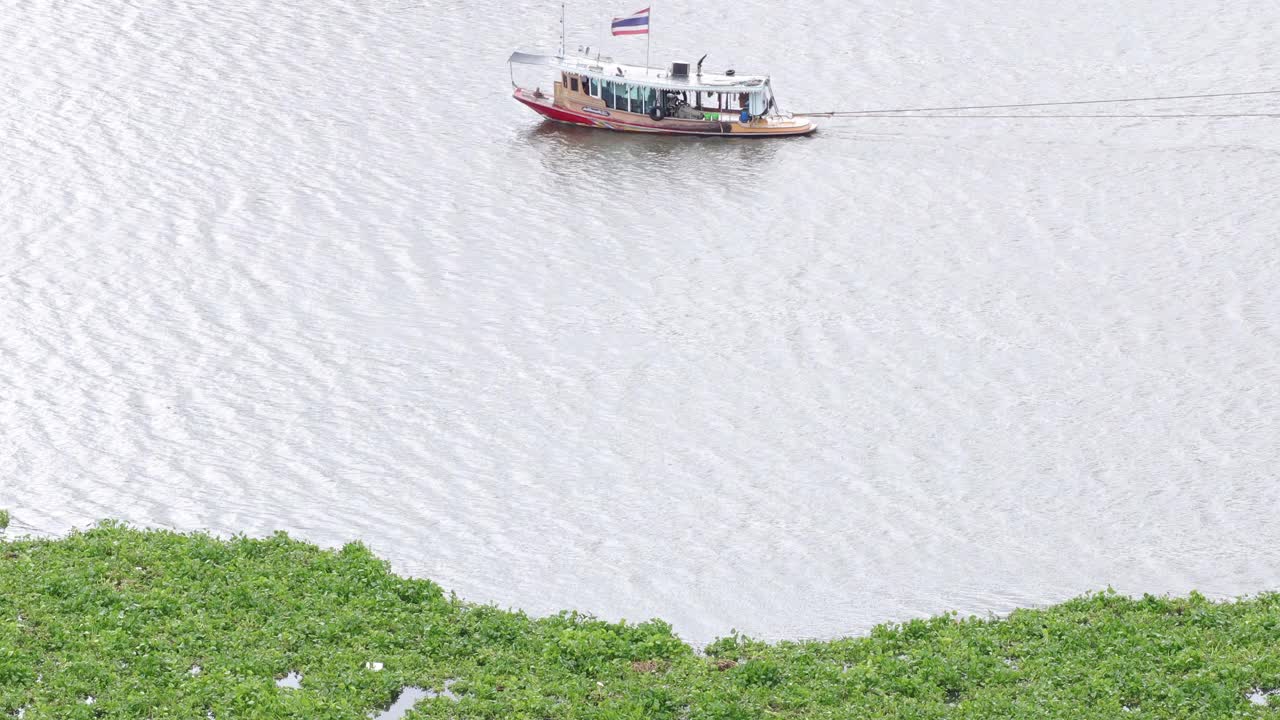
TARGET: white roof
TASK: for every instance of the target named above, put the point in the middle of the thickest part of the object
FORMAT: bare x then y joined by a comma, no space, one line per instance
604,68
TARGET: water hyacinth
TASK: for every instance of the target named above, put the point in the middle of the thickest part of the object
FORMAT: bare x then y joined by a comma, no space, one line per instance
166,625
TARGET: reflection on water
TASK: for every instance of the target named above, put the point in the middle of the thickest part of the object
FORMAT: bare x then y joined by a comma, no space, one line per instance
602,156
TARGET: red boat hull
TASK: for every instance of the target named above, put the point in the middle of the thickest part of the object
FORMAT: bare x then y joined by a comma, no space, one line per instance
545,106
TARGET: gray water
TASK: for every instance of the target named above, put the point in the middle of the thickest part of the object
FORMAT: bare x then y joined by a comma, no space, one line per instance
306,265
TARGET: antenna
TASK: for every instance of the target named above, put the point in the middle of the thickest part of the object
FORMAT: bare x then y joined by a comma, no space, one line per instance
561,28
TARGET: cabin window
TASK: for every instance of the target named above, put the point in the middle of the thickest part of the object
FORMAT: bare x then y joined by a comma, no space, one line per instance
637,99
564,79
595,88
573,83
606,93
650,100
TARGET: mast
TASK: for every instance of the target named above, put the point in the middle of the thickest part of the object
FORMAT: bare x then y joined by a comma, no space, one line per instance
562,28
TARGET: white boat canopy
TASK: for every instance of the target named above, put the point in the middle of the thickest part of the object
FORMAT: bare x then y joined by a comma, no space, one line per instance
603,68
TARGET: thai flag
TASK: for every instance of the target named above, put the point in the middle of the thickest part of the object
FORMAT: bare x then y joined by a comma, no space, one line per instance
637,23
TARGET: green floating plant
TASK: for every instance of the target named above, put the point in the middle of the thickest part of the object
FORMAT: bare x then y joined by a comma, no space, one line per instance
115,622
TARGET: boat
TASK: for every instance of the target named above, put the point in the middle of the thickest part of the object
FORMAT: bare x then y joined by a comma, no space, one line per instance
676,99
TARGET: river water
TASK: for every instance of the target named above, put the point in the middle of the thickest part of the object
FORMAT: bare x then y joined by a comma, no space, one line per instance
306,266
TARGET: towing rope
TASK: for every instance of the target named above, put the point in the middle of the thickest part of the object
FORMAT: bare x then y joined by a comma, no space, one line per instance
907,112
1053,117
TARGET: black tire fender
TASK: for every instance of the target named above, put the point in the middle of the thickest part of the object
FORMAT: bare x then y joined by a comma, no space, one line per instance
656,114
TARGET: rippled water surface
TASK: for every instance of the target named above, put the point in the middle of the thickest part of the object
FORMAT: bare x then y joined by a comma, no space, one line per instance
306,265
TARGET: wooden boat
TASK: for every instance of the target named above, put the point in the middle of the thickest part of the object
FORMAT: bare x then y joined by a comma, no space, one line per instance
672,100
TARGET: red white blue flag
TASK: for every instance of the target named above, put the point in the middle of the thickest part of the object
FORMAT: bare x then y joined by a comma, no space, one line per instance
637,23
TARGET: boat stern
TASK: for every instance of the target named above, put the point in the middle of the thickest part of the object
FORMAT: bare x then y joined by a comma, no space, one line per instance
775,125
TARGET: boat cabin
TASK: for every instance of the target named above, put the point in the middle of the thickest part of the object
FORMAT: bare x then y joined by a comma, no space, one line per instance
641,97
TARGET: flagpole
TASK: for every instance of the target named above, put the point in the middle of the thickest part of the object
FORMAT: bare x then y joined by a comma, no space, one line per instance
647,38
562,28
